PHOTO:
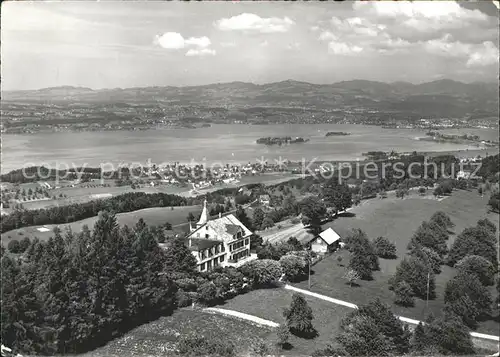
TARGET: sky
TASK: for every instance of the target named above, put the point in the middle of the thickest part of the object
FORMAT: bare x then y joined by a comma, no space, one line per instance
138,44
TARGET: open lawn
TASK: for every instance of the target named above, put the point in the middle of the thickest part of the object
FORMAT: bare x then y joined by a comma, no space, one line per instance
152,216
158,338
397,219
269,304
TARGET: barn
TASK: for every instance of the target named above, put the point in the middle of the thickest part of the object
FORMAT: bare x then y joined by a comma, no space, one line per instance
326,241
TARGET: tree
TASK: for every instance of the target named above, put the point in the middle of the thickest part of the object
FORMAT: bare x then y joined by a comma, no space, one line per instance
414,272
282,336
313,208
190,217
494,202
442,219
479,267
24,244
255,242
351,276
422,191
363,259
337,195
178,257
267,223
384,248
258,217
474,241
373,330
430,235
404,294
243,218
419,341
299,317
14,246
467,298
429,257
448,335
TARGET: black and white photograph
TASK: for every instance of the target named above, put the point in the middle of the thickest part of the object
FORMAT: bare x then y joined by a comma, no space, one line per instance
249,178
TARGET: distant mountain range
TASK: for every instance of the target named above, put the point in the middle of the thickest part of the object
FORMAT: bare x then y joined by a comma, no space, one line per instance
441,97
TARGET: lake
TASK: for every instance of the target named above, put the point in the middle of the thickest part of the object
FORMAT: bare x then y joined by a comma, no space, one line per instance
229,143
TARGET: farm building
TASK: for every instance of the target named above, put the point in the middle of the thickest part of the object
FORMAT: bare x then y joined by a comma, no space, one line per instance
326,241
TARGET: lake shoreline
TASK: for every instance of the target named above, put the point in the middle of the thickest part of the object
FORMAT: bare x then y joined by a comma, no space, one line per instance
218,144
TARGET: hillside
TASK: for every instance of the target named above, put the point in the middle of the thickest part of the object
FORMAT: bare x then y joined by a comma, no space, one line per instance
442,97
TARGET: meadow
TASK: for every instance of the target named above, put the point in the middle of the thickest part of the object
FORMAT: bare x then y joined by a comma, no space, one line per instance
269,304
159,337
397,220
152,216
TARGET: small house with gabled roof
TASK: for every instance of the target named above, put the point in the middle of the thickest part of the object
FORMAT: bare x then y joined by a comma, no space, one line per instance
326,241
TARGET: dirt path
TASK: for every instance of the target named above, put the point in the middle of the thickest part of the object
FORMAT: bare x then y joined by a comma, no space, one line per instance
241,315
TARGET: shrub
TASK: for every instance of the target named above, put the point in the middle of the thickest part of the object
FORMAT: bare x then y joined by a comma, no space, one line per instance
294,267
262,273
384,248
183,298
195,345
442,219
282,335
207,293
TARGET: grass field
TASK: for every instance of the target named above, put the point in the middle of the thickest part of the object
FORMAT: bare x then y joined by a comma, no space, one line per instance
152,216
397,219
269,304
158,338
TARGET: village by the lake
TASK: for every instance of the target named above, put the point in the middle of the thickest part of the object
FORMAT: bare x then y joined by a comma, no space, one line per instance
249,179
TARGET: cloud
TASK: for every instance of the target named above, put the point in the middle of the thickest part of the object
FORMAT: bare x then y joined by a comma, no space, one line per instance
198,46
200,52
293,46
327,35
228,44
442,10
202,42
170,41
254,23
475,55
342,48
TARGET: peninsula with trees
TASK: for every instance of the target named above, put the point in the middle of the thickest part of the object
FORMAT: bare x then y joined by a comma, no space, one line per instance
337,133
282,140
